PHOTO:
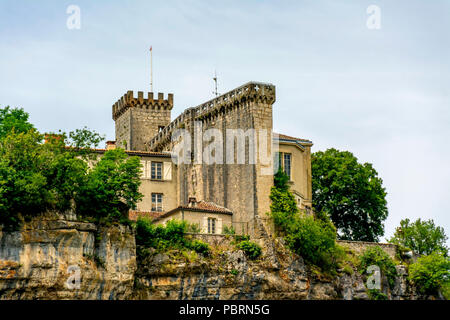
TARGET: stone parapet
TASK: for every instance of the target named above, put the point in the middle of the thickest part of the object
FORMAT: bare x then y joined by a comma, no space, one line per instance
129,101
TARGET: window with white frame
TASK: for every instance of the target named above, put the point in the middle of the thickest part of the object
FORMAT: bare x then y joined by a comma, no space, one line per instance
212,222
157,202
156,170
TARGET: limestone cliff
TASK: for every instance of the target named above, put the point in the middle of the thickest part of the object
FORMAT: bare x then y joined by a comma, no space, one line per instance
36,262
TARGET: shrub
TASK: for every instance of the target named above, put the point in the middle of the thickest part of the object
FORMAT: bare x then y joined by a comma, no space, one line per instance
251,249
375,294
200,247
171,236
430,273
376,256
315,241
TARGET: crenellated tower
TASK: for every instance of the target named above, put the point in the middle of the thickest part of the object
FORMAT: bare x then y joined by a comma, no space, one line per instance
139,119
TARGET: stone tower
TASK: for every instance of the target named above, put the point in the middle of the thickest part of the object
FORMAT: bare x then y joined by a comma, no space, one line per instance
243,188
138,120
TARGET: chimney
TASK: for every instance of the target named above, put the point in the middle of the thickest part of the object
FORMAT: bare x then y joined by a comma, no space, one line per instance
110,145
192,202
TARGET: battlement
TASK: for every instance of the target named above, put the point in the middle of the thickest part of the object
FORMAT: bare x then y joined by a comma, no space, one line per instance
128,100
251,91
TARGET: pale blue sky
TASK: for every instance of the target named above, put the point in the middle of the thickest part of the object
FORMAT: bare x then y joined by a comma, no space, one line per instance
382,94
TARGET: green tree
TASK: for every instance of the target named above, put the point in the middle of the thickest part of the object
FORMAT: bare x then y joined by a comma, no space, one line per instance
423,237
50,172
112,186
13,119
430,273
350,193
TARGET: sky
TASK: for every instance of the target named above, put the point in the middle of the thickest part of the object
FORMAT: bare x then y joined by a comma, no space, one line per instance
382,94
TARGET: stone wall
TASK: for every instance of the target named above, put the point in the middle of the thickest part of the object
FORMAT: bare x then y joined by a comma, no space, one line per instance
360,246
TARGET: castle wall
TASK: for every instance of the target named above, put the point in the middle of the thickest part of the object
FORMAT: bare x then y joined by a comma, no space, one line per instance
240,187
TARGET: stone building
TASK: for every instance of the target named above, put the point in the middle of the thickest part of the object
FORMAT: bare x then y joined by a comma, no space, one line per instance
232,189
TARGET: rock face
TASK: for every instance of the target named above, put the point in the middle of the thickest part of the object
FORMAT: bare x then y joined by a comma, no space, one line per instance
45,259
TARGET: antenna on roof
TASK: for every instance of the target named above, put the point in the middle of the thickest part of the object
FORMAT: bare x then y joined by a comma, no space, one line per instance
215,83
151,69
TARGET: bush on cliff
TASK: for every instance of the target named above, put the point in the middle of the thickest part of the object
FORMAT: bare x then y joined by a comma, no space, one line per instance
171,236
313,239
251,249
376,256
431,273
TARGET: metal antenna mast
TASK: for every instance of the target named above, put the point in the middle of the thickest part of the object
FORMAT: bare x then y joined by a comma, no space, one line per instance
215,83
151,69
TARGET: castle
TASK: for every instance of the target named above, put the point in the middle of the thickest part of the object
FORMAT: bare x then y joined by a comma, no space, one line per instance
234,187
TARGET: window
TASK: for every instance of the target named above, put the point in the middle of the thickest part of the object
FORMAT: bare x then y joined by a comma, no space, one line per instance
212,225
156,173
277,162
160,128
157,202
287,164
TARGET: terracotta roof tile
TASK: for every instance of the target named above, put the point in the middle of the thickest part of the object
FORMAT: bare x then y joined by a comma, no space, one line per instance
134,215
207,206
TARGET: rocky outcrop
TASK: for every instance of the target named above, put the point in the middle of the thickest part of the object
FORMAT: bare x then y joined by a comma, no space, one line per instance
48,255
57,257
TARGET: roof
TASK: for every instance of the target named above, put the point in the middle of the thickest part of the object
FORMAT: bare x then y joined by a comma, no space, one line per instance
134,215
140,153
286,137
200,206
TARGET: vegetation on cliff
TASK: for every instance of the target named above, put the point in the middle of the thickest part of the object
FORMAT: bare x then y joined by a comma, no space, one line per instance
171,236
311,237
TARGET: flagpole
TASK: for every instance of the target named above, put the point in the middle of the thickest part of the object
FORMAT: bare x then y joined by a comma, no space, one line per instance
151,69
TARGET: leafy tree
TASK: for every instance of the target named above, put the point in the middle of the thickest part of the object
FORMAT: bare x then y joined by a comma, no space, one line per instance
423,237
23,185
50,172
351,193
112,186
430,273
13,119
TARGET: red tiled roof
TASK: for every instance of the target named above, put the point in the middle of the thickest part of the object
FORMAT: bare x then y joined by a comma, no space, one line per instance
206,206
134,215
140,153
200,206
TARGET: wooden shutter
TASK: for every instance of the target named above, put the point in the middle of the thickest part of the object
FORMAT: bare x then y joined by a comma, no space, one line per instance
167,171
144,169
205,225
219,226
